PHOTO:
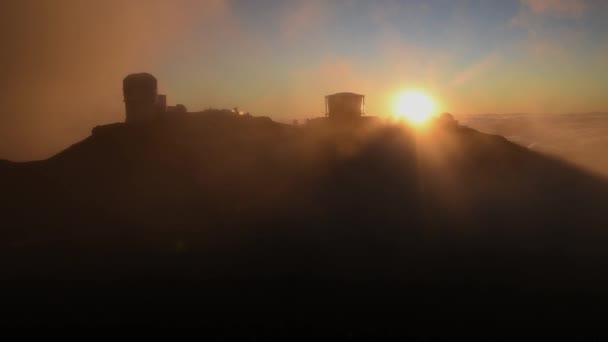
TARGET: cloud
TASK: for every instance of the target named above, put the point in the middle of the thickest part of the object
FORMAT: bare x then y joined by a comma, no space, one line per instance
562,8
546,39
556,45
476,69
533,12
303,17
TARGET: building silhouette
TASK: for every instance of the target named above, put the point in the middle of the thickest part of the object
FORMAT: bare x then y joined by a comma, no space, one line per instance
345,110
161,104
140,95
344,106
142,101
177,109
447,120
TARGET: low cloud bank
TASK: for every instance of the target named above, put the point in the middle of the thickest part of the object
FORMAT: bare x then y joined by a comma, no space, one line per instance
578,138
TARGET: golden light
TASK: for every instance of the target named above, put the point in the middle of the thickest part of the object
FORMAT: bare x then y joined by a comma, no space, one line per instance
415,106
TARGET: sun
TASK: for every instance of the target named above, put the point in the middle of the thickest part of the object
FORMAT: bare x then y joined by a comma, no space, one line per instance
415,106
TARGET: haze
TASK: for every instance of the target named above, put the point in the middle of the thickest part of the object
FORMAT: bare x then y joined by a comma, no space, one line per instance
64,60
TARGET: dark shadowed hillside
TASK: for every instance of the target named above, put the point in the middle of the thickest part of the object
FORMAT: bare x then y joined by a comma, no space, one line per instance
225,213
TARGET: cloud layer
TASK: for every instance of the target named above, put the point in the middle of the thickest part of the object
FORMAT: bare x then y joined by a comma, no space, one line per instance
63,60
566,8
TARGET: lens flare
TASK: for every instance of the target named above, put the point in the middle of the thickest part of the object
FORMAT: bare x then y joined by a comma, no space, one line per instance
415,107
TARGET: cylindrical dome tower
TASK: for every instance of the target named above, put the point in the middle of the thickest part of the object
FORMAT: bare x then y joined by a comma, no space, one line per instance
140,92
344,106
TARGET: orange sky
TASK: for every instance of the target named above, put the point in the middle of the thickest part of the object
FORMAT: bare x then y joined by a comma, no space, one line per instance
66,58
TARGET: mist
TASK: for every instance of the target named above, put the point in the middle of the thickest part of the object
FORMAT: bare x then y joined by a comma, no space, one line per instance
578,138
325,159
64,62
61,75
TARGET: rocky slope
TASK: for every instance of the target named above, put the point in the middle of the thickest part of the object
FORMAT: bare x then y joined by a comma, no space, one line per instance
241,213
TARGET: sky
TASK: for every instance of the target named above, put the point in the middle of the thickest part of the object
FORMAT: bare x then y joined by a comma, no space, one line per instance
63,61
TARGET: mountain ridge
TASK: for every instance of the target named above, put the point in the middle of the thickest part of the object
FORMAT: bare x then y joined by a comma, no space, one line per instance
234,204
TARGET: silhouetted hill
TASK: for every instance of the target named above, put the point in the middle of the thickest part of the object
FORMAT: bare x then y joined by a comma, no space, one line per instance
242,213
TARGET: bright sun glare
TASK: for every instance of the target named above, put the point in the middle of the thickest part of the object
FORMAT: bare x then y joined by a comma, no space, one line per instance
414,106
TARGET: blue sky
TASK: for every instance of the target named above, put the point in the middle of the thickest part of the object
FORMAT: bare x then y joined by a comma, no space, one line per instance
475,56
279,58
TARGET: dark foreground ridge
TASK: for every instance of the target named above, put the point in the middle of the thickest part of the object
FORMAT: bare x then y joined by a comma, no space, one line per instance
213,213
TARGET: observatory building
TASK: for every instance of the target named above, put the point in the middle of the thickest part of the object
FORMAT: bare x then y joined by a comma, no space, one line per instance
447,120
142,101
344,106
343,110
140,93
